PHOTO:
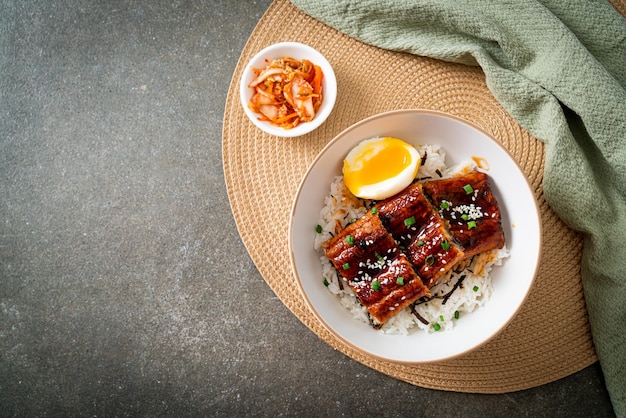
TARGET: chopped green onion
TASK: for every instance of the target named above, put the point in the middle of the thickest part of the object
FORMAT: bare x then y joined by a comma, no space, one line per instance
430,260
471,224
318,229
441,318
379,257
375,285
444,204
409,221
436,327
475,288
350,240
326,283
445,245
456,314
346,266
468,188
465,216
374,211
420,243
400,281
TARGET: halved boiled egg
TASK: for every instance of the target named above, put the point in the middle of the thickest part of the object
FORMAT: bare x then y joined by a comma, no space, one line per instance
378,168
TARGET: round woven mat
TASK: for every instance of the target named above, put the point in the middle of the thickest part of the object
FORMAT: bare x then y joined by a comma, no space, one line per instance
547,340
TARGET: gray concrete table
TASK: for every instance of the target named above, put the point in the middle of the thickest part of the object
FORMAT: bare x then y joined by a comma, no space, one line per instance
124,287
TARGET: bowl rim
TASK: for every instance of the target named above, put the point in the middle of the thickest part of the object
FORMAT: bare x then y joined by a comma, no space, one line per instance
306,297
329,84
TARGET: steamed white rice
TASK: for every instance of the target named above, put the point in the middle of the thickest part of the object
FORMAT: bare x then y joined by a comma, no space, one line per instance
341,207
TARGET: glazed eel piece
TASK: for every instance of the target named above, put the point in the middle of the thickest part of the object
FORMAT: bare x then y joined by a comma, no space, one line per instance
470,209
421,232
379,273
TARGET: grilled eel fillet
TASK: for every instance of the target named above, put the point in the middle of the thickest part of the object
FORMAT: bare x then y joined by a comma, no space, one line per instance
472,213
418,235
375,268
421,232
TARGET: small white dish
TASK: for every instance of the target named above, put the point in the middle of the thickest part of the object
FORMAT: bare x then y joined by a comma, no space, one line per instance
511,282
298,51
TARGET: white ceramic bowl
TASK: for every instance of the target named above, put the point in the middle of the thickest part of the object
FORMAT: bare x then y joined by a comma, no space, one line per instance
511,281
298,51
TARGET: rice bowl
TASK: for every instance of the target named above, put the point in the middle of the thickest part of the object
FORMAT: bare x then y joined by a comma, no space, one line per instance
511,281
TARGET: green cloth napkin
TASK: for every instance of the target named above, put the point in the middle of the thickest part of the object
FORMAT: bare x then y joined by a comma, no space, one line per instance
559,69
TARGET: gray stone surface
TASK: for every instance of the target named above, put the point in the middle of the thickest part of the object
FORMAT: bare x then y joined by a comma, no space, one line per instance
124,287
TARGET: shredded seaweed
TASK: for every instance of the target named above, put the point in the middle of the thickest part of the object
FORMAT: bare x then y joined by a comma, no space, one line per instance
417,315
456,286
444,296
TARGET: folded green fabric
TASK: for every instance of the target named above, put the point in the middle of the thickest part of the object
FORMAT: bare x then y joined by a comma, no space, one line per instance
559,69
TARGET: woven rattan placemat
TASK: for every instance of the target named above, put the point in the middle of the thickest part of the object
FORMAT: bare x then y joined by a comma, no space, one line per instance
548,339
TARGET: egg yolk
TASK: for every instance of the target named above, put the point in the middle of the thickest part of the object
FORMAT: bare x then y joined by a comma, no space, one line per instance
378,160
